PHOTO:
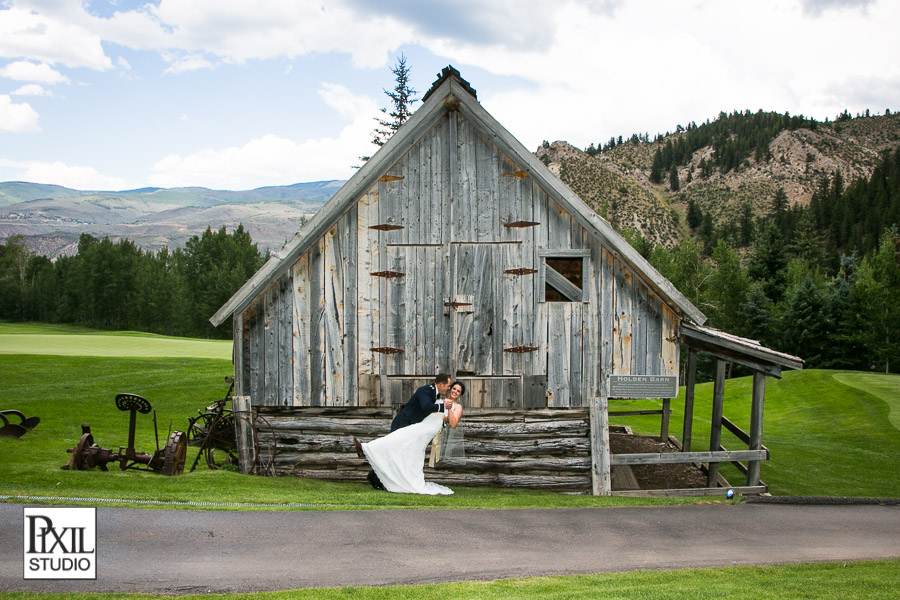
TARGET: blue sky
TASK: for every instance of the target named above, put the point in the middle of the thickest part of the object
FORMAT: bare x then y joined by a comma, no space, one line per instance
231,94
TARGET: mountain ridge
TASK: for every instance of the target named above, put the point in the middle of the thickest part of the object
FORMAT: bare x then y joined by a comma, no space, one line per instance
616,182
51,218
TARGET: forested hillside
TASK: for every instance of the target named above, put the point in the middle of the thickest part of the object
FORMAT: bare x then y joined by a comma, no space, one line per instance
119,286
779,228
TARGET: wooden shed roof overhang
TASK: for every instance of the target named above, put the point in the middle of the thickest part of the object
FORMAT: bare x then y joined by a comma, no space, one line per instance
450,93
742,351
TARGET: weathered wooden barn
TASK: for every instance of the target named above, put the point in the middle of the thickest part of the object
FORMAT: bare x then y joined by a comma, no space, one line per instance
453,249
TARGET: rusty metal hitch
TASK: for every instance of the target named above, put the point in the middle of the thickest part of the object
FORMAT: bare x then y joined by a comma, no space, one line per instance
168,460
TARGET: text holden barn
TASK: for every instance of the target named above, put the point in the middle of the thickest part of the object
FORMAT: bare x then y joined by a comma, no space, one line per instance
453,249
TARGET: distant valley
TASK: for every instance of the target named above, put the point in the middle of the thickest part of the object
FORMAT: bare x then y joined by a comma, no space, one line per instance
51,218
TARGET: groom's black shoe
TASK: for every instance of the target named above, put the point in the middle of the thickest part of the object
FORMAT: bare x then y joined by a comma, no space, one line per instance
359,449
374,481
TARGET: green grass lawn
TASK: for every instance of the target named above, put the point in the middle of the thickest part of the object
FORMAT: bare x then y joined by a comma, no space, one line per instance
59,340
873,580
830,434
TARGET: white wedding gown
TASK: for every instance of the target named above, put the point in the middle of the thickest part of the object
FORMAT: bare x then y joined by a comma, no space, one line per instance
399,457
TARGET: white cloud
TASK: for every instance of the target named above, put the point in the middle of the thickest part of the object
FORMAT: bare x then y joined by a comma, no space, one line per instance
32,89
58,173
41,34
349,106
649,66
17,118
187,63
23,70
259,162
271,158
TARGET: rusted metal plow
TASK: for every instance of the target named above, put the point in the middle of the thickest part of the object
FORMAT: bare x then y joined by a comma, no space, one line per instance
19,428
168,460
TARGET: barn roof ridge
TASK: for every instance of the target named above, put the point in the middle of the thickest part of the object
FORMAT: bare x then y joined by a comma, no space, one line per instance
445,74
449,92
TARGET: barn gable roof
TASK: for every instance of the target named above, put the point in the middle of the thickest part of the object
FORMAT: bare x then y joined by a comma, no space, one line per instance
450,92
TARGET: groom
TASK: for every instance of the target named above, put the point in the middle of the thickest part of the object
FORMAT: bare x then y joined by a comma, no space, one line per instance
421,404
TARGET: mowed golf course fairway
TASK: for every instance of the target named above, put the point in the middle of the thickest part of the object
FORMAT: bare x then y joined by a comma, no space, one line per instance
71,341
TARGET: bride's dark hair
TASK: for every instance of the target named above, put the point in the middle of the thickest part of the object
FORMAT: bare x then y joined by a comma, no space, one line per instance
461,385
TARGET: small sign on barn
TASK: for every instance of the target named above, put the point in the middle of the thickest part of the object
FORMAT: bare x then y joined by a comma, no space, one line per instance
643,386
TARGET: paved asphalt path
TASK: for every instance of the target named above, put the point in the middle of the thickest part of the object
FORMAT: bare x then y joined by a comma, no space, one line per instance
181,552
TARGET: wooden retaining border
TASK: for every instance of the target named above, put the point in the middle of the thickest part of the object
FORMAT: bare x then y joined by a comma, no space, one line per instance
558,449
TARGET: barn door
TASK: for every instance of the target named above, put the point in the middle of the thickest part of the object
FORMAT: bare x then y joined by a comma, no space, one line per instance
471,308
415,329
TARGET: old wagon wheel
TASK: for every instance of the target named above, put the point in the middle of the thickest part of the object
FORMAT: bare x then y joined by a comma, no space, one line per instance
80,459
220,447
198,428
174,454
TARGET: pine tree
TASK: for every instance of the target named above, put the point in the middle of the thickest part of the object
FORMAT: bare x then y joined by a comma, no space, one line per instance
878,288
402,98
727,289
804,326
656,169
674,184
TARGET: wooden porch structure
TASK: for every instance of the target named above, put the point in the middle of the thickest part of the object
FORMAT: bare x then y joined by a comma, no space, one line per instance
725,348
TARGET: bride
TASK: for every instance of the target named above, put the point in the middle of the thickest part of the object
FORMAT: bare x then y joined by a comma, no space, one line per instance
399,457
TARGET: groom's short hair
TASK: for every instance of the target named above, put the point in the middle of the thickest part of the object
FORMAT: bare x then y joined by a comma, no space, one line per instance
442,378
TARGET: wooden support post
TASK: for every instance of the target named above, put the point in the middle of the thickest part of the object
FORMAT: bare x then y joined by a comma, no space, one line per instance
601,481
243,432
689,401
237,351
756,425
715,433
664,426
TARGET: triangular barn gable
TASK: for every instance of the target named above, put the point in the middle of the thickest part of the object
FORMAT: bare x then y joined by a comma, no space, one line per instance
453,249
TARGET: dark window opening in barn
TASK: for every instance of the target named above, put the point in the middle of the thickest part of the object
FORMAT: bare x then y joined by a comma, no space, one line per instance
564,278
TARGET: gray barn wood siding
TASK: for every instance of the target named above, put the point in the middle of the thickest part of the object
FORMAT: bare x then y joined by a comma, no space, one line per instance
442,209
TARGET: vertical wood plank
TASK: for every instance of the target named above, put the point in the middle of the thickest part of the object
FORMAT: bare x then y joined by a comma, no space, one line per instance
715,434
395,308
558,353
333,313
256,324
316,333
601,479
756,425
664,421
238,352
351,327
689,401
654,365
285,356
270,348
534,391
369,315
623,320
607,316
243,432
669,340
464,211
639,328
576,353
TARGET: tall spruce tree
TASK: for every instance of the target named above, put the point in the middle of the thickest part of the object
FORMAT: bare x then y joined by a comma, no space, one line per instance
878,288
403,96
